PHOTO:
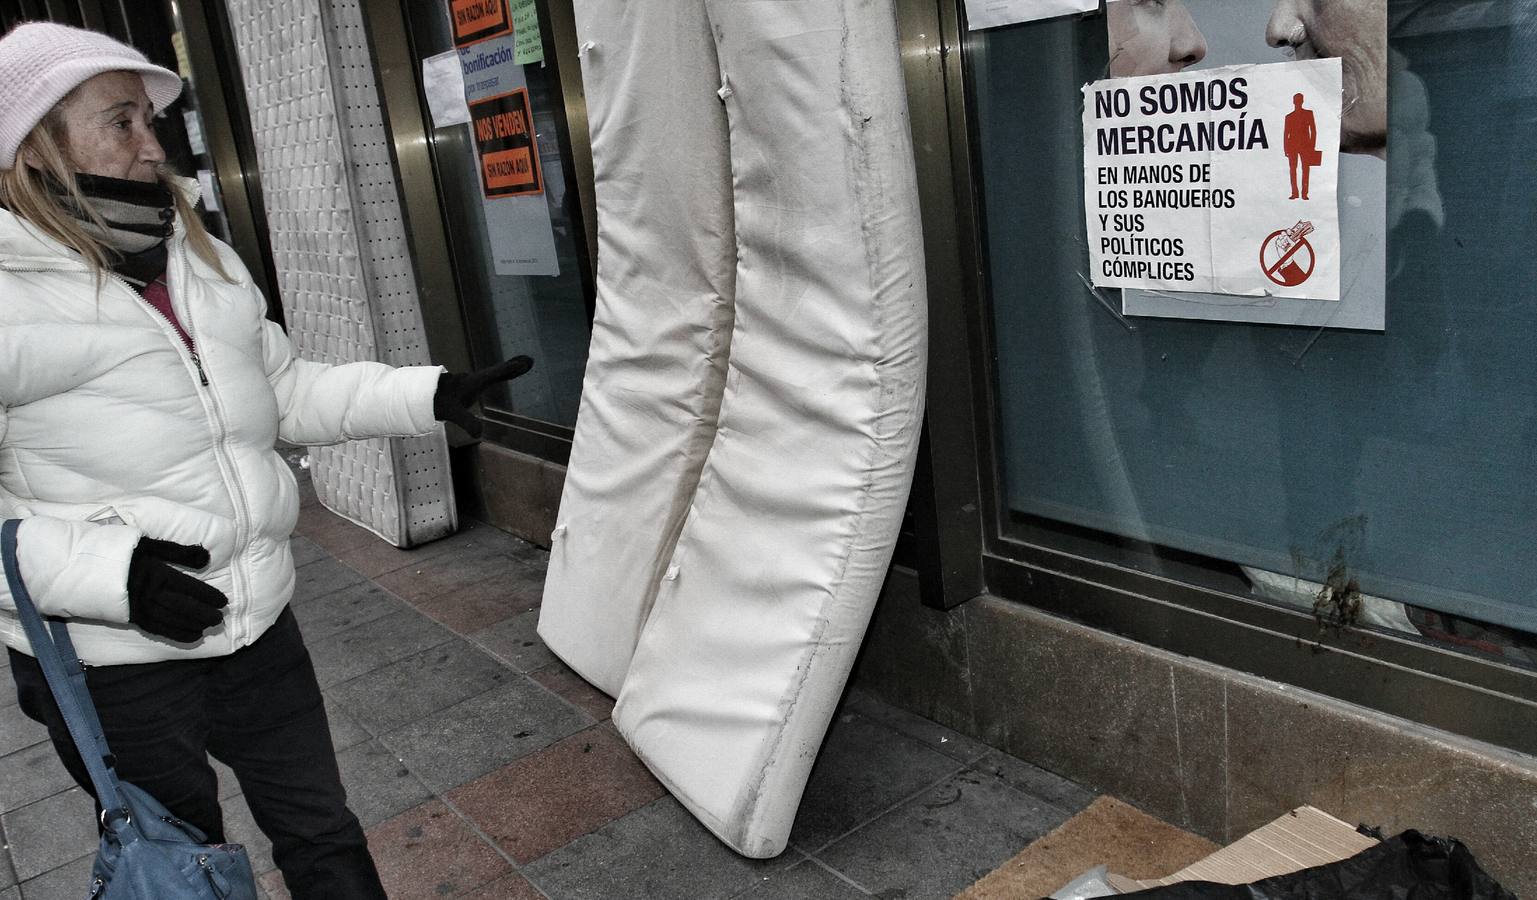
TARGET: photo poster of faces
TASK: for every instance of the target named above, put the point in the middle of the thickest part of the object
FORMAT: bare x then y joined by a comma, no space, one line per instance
992,13
1162,37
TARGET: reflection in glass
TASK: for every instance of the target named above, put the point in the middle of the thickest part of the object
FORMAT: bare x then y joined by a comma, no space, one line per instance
545,317
1393,465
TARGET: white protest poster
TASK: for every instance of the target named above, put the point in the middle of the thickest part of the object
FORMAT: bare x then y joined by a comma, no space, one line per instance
1218,181
507,151
1192,36
992,13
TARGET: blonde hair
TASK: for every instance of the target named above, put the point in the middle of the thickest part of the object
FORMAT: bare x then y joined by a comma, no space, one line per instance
30,189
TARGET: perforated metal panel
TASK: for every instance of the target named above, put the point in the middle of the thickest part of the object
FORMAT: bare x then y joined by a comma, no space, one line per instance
339,245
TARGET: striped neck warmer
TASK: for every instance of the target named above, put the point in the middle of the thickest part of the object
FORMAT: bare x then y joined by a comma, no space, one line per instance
139,216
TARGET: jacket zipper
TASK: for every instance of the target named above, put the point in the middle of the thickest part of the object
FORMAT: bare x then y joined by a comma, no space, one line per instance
227,468
197,361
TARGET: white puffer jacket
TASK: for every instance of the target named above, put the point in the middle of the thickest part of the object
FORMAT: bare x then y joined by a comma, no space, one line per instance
108,432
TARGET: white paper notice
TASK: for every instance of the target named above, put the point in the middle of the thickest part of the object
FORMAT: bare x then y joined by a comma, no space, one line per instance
210,190
194,131
1217,180
443,83
992,13
515,203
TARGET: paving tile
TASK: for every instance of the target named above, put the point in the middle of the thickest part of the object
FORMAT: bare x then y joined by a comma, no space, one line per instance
67,882
473,531
513,887
419,685
559,677
429,851
378,785
803,881
942,840
307,496
240,828
51,832
379,557
463,565
305,551
486,602
932,734
1065,795
320,578
312,516
31,774
346,607
550,798
373,645
516,642
864,769
7,871
480,734
659,850
345,730
11,893
332,532
18,732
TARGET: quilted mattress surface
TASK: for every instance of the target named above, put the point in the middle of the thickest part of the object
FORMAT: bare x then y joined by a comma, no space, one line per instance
737,637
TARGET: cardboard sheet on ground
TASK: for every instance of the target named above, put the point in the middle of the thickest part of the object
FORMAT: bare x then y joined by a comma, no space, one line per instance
1150,41
1301,839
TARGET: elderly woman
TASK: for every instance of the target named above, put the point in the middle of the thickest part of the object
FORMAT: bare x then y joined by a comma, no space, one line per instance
141,396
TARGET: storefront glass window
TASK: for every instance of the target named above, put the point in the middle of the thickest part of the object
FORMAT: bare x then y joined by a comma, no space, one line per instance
544,316
1393,465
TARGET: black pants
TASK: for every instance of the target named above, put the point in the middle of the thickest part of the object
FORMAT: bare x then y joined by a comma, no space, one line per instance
258,711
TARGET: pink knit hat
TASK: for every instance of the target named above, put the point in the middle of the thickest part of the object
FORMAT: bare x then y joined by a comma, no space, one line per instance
40,62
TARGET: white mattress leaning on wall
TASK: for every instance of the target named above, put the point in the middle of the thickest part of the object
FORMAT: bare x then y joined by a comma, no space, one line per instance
746,642
339,244
662,330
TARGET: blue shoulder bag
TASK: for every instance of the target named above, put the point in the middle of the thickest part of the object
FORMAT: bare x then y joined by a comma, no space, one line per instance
146,853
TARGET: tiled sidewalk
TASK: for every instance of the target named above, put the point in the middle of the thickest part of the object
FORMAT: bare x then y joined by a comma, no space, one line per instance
484,768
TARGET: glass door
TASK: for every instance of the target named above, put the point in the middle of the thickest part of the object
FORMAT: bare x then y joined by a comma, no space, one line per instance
511,210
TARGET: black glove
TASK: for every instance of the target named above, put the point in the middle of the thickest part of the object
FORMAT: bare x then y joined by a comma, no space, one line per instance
456,392
166,601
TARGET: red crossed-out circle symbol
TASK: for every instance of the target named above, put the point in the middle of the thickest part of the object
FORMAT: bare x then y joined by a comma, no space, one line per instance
1289,267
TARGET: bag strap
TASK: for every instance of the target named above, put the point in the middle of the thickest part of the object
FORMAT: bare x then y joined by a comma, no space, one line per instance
65,679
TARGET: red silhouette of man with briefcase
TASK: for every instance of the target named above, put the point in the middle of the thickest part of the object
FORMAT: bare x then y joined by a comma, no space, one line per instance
1300,142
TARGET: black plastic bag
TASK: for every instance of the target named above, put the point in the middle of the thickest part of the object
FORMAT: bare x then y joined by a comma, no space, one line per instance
1410,866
